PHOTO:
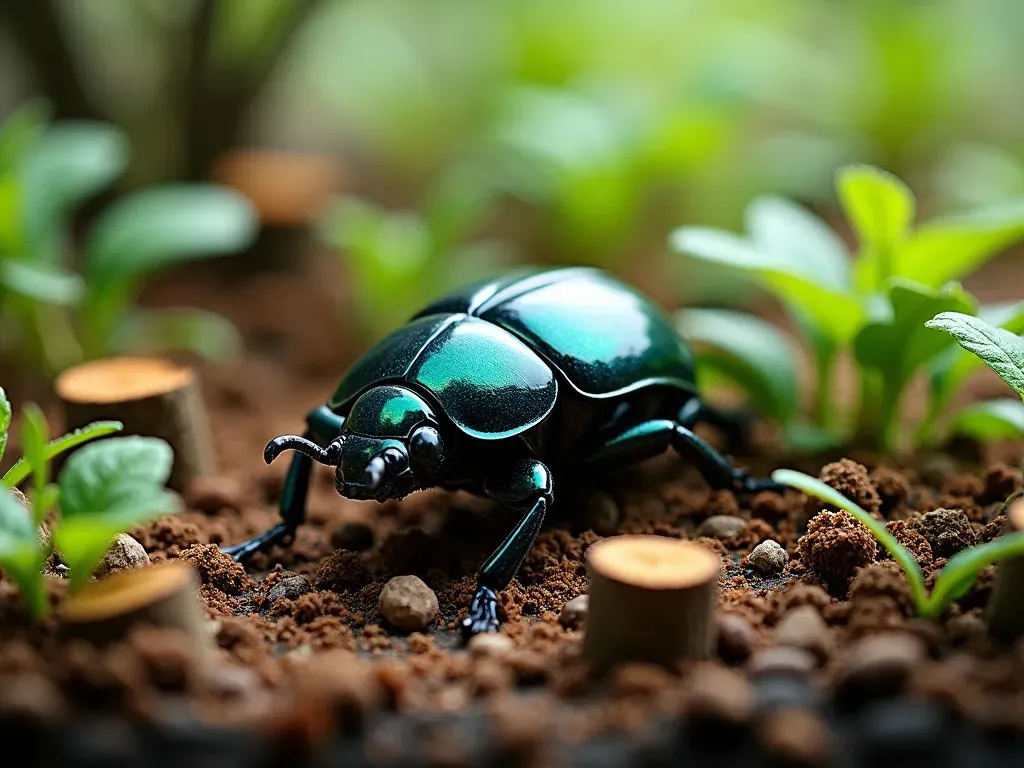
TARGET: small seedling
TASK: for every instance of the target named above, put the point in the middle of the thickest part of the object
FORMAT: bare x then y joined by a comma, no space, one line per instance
396,258
63,317
105,488
875,307
1003,352
955,578
38,449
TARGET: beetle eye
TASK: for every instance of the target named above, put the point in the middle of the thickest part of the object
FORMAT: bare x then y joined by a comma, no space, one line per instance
425,446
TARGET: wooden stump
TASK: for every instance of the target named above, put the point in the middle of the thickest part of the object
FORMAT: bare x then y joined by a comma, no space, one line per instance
161,595
1006,606
152,397
652,599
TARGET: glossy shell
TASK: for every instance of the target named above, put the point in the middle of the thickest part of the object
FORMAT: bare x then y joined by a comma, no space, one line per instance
602,335
488,351
487,381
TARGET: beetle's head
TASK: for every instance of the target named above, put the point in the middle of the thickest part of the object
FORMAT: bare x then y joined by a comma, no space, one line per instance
391,445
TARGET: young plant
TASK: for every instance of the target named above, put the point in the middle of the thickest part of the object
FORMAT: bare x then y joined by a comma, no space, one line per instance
955,578
874,307
1001,350
105,488
36,445
396,260
55,316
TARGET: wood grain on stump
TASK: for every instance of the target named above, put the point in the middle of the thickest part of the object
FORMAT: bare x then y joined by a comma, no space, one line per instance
161,595
152,397
1006,606
652,599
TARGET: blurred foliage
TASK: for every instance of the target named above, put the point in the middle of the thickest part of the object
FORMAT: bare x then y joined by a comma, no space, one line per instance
594,126
65,298
874,306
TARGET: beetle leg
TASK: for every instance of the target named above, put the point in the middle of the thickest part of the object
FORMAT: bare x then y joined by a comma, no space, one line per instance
525,484
734,425
322,427
649,438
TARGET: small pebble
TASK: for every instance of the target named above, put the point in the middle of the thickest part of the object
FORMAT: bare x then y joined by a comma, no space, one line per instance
795,737
804,628
212,494
602,515
736,638
574,612
407,603
718,695
352,536
124,553
721,527
781,660
492,644
878,665
291,588
768,557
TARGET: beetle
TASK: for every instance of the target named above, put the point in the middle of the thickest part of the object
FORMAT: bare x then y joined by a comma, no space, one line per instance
496,389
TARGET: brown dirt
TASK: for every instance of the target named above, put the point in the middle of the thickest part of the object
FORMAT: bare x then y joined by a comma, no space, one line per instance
299,664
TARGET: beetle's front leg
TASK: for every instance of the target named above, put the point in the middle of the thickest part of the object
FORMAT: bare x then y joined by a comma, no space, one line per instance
526,484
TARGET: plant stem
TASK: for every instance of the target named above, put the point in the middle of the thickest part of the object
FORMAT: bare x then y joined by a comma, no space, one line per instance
889,414
868,417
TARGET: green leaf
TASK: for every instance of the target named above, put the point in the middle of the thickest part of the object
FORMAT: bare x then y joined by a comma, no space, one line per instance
950,369
878,204
105,488
749,351
41,281
999,349
5,420
814,487
60,445
963,568
832,311
153,228
21,555
880,209
69,163
211,336
901,343
455,205
34,435
954,246
999,419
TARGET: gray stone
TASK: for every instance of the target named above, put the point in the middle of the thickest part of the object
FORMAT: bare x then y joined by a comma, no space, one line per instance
768,557
124,553
603,514
407,603
721,527
574,612
291,588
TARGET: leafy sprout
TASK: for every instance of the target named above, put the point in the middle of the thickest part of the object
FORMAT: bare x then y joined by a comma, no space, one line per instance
874,307
105,488
955,578
62,316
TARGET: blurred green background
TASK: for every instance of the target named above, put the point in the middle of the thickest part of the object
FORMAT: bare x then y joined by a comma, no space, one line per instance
428,141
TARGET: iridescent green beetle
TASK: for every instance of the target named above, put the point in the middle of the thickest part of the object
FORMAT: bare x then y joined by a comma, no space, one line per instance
495,389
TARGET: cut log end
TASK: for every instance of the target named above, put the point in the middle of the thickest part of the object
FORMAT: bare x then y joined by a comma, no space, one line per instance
150,396
651,599
654,562
119,379
162,595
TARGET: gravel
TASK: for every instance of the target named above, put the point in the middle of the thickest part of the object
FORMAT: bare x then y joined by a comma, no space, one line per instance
407,603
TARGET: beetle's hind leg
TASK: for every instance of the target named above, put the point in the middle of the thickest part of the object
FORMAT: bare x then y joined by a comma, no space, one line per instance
526,484
322,427
649,438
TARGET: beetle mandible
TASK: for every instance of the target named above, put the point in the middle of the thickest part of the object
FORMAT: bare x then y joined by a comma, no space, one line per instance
496,389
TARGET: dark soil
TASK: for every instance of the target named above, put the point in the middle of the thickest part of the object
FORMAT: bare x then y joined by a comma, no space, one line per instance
303,650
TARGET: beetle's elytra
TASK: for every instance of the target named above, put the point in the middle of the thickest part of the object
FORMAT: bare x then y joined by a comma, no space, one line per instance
498,388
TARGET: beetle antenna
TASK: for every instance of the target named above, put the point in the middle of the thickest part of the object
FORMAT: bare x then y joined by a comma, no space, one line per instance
306,447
